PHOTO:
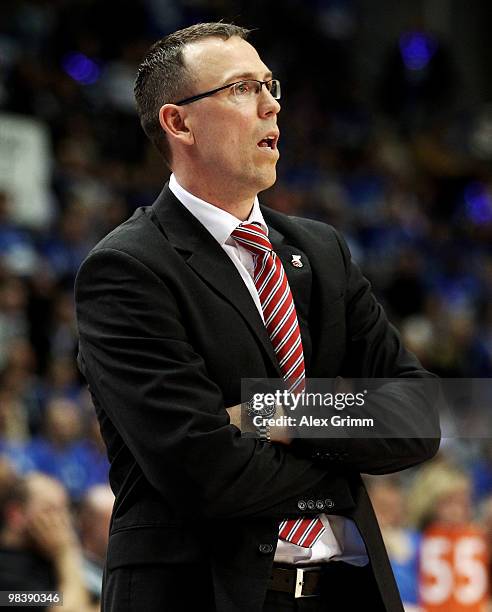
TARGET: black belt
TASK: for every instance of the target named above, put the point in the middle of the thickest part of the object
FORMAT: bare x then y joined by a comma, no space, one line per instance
299,581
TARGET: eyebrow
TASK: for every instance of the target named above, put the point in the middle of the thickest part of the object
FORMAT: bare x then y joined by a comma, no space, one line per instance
248,75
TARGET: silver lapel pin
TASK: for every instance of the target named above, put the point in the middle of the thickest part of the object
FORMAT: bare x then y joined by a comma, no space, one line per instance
296,261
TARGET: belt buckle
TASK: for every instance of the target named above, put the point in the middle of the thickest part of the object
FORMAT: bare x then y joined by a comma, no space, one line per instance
300,571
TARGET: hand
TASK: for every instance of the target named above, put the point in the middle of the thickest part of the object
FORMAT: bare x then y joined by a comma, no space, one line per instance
51,532
53,535
234,413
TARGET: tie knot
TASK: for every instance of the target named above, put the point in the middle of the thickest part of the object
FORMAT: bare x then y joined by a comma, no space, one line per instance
253,237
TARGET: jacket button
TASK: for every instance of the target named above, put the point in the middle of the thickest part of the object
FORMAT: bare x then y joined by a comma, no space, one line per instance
320,504
265,549
301,504
311,505
329,503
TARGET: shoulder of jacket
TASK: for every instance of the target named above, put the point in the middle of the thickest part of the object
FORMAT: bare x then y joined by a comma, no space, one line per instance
136,236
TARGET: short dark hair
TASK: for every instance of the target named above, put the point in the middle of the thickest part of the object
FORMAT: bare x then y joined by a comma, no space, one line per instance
163,77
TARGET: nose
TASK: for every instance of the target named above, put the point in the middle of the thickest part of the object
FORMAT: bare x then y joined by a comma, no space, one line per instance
267,105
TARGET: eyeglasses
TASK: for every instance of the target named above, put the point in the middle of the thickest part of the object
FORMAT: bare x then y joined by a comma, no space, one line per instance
241,90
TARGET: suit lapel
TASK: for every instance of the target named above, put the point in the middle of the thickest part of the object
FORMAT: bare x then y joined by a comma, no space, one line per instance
207,258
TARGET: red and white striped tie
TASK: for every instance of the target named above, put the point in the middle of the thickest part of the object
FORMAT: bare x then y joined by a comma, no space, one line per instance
280,317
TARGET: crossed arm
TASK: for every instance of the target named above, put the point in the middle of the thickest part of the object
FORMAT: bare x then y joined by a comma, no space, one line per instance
155,389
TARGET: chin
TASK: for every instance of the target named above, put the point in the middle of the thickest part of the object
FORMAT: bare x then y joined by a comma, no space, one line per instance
267,180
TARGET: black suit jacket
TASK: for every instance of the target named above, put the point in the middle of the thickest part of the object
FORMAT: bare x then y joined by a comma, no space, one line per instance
167,331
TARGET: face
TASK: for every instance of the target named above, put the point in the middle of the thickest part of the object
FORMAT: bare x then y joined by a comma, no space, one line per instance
62,421
45,496
454,507
388,505
226,131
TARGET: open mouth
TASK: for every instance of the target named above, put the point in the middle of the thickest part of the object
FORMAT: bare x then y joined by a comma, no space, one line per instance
270,142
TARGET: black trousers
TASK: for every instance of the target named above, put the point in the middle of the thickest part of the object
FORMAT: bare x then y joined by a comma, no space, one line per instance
158,588
152,588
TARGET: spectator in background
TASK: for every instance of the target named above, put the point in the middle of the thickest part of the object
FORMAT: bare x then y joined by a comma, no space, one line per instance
38,546
67,247
440,493
62,378
13,421
13,319
7,475
418,335
58,452
20,378
92,444
16,245
94,518
64,330
481,471
402,543
485,514
13,429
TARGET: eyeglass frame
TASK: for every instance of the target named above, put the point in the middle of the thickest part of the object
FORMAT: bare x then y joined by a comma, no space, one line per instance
206,94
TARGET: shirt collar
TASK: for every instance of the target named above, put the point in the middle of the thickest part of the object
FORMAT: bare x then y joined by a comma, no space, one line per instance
218,222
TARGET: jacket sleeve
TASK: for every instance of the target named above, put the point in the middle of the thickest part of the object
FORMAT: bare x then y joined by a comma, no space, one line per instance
403,406
154,388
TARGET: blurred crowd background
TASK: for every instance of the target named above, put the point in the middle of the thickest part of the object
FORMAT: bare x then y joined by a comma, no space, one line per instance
386,133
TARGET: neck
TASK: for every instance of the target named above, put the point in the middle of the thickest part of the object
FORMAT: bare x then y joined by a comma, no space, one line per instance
231,200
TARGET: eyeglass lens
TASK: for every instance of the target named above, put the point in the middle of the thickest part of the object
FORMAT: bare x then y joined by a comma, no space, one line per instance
272,86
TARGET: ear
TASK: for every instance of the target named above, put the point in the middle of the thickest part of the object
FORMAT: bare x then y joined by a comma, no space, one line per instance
173,120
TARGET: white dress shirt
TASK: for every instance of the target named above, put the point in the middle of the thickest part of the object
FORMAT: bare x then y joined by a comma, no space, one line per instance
341,539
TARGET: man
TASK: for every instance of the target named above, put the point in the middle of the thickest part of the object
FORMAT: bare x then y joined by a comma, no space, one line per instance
171,318
39,550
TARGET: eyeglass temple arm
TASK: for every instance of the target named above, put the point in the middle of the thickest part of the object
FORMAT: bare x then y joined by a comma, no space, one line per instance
217,89
202,95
